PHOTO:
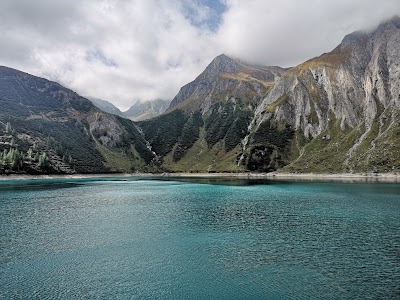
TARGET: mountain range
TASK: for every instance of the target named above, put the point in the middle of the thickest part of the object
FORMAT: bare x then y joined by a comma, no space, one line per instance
338,112
139,110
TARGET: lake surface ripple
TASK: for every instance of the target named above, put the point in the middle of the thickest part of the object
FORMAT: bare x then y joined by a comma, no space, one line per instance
138,238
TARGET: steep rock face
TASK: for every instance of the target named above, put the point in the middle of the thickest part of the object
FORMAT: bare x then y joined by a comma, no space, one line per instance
50,120
356,86
144,110
348,81
107,128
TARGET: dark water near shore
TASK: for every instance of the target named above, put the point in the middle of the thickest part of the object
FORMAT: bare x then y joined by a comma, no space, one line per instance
219,239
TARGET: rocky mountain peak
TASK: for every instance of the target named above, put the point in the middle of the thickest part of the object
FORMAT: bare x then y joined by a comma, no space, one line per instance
221,75
221,63
357,40
353,39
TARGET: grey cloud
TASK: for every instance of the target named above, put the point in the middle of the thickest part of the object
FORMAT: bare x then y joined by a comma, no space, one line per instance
47,16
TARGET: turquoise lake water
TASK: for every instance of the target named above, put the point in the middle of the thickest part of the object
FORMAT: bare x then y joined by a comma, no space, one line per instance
137,238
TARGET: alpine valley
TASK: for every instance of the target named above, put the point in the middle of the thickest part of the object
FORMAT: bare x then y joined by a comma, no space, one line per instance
336,113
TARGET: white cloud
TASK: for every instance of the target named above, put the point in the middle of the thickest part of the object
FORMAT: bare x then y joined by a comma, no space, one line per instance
124,50
288,32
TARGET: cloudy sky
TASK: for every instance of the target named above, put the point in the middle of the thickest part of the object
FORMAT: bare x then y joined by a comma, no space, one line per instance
146,49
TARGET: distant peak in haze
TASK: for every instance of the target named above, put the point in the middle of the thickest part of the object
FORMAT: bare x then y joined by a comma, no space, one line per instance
394,21
106,106
143,110
356,38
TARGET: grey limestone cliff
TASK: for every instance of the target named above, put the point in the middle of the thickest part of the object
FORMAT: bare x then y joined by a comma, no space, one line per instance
357,85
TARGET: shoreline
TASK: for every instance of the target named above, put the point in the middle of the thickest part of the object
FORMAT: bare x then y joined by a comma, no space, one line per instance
363,177
343,177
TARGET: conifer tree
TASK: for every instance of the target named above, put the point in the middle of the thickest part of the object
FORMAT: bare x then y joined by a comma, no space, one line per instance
8,157
15,159
29,153
43,160
4,155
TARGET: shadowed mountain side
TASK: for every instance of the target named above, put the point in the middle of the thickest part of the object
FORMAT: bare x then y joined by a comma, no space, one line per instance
40,118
